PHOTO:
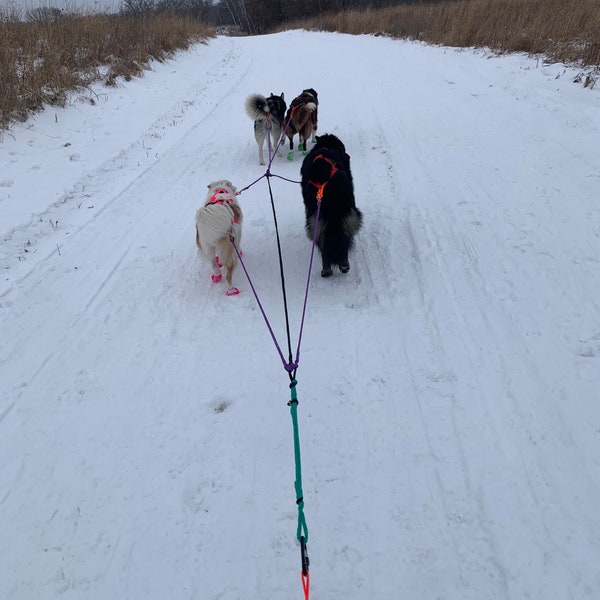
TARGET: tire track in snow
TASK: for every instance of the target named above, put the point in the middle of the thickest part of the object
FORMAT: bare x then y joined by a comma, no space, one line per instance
120,204
110,180
443,237
442,428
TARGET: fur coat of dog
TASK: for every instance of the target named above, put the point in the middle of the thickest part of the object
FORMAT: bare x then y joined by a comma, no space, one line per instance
327,178
301,118
260,109
217,222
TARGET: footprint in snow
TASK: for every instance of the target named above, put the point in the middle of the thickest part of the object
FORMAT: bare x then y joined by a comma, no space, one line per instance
220,405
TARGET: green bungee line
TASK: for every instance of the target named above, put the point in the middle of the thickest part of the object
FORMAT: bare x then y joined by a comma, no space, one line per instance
302,530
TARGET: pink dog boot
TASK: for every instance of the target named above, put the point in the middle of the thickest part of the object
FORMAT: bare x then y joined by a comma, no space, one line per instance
218,262
233,291
216,278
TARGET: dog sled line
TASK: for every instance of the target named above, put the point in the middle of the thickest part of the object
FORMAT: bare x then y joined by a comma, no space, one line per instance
332,221
332,218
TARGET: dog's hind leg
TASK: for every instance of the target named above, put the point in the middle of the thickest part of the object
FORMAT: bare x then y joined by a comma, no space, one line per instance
304,135
216,274
259,135
211,254
276,137
326,270
237,234
342,258
304,145
229,259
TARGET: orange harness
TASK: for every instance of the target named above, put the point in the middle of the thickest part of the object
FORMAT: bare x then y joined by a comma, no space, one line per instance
321,186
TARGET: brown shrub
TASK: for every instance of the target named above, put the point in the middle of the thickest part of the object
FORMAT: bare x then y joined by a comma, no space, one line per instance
563,30
41,61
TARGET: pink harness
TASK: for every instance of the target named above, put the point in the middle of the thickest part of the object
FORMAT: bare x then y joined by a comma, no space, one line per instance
228,200
214,200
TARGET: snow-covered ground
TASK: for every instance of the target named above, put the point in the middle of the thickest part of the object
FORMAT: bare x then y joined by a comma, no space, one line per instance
449,384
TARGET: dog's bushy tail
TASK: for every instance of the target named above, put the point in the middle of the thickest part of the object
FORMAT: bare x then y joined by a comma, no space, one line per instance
256,106
335,237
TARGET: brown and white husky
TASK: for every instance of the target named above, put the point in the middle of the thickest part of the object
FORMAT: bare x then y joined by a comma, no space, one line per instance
301,118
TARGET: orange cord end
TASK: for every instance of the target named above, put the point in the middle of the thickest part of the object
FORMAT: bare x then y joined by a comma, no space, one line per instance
305,583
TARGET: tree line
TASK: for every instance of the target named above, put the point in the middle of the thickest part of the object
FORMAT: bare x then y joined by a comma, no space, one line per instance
248,16
255,16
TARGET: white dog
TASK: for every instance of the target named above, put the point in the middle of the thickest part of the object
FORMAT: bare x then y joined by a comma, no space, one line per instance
219,220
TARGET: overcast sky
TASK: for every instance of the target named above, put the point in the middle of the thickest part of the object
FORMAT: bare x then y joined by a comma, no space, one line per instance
70,5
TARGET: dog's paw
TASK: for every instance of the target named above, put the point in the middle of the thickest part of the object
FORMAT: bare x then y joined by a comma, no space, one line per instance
233,291
326,272
216,278
344,268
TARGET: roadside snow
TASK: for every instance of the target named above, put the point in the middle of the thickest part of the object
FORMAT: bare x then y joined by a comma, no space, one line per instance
448,385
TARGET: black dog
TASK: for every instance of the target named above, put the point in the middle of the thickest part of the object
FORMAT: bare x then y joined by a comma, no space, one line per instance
326,177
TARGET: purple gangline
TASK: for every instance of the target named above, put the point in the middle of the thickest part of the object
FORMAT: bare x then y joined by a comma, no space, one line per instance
286,366
279,142
272,154
249,186
312,253
285,178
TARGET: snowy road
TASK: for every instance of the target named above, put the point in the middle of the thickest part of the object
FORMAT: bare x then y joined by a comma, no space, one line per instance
448,385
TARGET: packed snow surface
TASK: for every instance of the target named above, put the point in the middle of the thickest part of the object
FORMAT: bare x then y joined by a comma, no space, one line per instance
448,385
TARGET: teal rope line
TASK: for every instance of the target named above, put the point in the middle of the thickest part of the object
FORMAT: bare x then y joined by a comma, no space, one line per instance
302,530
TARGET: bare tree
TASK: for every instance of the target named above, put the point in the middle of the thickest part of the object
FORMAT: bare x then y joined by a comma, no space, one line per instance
137,6
197,9
239,16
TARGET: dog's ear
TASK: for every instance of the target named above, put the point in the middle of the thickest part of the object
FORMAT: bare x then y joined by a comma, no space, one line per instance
282,96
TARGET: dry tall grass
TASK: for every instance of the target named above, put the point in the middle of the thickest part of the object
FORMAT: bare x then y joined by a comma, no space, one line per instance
563,30
41,62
